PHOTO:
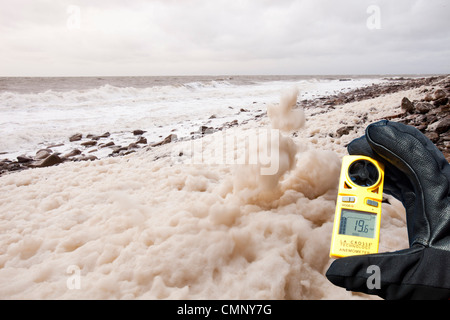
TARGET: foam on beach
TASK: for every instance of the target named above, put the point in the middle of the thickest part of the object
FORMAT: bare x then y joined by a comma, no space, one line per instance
153,226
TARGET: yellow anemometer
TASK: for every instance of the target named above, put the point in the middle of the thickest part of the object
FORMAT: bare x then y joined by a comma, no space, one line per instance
356,228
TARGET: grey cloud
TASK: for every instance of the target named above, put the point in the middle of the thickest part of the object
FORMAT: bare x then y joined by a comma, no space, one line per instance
217,36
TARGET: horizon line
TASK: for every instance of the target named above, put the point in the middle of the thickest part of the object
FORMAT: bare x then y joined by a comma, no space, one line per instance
228,75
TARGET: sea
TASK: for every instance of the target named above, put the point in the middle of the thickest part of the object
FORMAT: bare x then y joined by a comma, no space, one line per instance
41,112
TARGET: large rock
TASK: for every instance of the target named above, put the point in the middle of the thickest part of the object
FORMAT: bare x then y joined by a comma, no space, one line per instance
95,137
138,132
89,143
428,97
206,130
76,137
49,161
168,139
424,107
24,159
433,136
118,149
132,145
442,125
104,145
43,154
142,140
407,105
441,102
439,94
72,153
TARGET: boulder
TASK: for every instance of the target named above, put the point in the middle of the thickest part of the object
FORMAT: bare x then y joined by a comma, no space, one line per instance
446,108
104,145
433,136
132,145
72,153
428,97
49,161
138,132
76,137
407,105
206,130
43,154
168,139
55,145
94,137
424,107
233,123
441,102
142,140
89,143
439,94
11,166
118,149
442,125
24,159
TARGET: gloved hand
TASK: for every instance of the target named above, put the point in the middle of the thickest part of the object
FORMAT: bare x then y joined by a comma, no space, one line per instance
417,174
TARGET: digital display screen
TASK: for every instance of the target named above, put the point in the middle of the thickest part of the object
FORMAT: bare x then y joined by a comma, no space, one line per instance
357,223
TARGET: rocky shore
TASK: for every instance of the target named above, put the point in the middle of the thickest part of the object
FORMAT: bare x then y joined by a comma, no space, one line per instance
375,90
431,115
88,144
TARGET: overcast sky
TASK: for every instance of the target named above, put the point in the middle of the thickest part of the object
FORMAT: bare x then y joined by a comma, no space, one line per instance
212,37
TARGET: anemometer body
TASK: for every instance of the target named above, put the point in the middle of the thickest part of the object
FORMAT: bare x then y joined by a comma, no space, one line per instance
356,228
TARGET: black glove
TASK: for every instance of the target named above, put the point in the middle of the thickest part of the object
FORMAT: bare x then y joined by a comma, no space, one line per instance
417,174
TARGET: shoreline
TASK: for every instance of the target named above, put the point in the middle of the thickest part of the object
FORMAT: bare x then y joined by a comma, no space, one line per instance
151,225
46,156
429,111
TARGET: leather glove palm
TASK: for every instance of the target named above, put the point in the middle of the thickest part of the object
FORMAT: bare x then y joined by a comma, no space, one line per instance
418,175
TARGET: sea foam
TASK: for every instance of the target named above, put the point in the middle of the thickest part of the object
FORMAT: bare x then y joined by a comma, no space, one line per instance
149,226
